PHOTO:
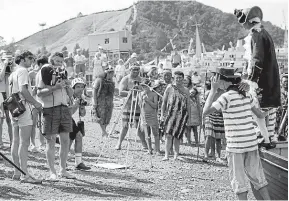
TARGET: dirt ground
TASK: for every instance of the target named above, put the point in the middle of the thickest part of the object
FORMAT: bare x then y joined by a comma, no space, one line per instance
190,179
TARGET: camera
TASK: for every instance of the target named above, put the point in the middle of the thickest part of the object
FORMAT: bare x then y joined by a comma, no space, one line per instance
61,75
82,102
57,75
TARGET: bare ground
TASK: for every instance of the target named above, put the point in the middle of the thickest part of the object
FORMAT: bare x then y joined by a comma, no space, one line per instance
190,179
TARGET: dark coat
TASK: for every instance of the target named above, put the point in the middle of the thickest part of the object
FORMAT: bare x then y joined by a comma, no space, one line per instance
265,70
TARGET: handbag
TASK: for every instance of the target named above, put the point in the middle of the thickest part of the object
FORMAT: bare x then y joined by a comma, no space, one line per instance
14,103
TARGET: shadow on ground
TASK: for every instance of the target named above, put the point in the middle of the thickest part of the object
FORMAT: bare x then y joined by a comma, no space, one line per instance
7,192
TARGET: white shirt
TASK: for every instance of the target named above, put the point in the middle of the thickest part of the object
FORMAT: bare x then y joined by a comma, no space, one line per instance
79,59
196,79
20,77
120,70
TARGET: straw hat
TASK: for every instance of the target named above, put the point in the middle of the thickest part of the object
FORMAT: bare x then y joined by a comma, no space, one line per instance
227,72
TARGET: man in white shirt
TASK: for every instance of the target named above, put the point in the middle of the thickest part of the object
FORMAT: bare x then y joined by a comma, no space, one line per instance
20,83
80,61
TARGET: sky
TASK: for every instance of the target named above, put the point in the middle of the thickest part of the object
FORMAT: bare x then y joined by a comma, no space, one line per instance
21,18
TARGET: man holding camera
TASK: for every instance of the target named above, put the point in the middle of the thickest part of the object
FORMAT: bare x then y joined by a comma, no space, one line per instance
6,65
78,86
53,90
20,84
130,82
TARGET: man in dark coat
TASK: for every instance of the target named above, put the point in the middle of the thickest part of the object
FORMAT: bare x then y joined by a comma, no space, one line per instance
262,70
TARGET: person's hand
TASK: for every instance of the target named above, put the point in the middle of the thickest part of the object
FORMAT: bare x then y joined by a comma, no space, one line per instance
145,98
215,84
244,86
60,84
5,62
38,106
162,118
76,102
191,40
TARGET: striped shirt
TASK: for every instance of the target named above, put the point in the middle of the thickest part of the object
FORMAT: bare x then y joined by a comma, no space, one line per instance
238,121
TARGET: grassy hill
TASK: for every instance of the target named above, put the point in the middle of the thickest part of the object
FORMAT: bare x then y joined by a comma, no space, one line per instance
76,30
156,22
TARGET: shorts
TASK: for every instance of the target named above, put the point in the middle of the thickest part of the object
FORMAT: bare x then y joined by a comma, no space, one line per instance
243,166
57,120
80,68
24,119
69,70
75,130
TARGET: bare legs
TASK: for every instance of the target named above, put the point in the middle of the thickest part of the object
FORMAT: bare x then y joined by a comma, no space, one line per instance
123,134
152,129
50,152
103,129
14,149
171,141
209,144
19,150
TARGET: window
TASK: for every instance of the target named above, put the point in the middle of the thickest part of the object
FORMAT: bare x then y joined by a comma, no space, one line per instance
89,80
106,41
124,39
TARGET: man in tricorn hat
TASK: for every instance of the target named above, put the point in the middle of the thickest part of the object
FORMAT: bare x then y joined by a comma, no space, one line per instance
242,150
262,71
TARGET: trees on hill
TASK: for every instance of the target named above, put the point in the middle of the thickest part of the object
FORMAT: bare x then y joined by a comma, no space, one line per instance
163,19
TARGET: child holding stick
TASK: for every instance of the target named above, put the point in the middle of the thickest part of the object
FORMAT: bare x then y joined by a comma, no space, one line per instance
148,103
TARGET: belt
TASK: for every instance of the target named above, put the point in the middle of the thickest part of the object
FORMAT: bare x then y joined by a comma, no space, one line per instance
55,106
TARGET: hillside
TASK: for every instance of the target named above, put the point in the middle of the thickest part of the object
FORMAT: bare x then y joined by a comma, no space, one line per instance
156,22
76,30
160,20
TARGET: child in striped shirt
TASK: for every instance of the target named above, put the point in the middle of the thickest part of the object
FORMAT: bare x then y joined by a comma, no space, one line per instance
242,148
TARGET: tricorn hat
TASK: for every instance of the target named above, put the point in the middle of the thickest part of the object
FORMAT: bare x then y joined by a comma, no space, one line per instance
227,72
247,14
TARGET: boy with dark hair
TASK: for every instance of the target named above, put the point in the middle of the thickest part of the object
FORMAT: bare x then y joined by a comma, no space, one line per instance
19,82
242,149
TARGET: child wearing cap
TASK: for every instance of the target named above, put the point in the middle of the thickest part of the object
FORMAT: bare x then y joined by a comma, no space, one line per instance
78,86
242,149
149,103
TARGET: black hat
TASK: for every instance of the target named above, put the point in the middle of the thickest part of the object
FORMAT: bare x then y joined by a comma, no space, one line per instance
247,14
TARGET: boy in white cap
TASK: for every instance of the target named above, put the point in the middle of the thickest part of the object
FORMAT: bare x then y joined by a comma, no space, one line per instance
78,86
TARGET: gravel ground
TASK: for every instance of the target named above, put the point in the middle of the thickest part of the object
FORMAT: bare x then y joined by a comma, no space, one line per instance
190,179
